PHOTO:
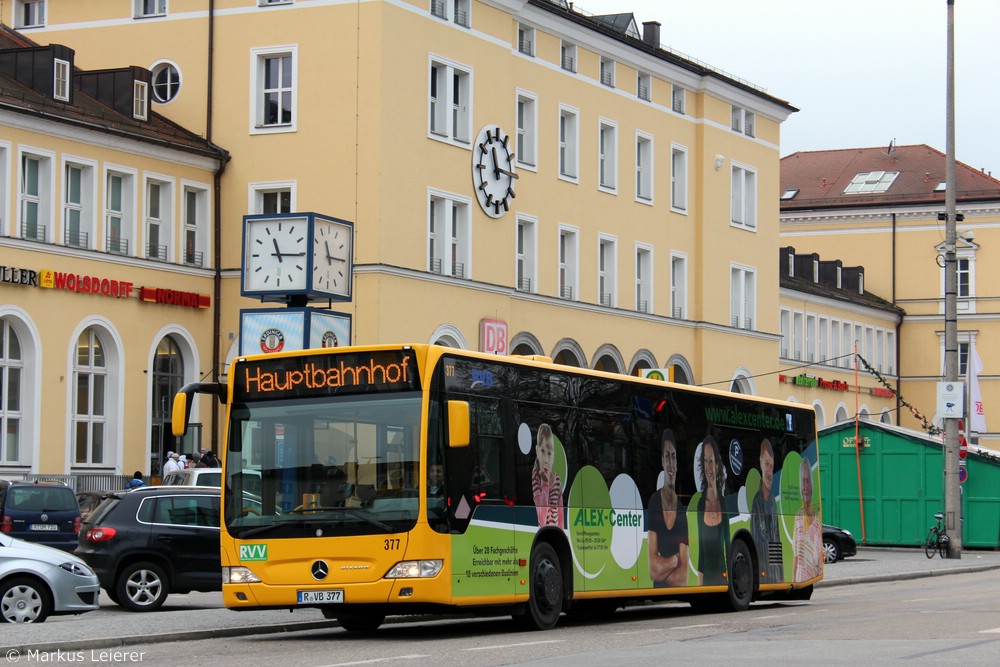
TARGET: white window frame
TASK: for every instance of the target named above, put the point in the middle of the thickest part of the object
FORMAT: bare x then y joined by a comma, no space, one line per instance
607,270
810,343
127,213
743,121
743,210
526,254
96,422
455,11
29,14
140,100
42,201
568,263
607,71
678,285
607,156
14,384
785,323
449,248
678,178
644,86
258,108
449,119
835,328
569,143
145,9
196,225
158,218
823,340
742,296
257,192
172,84
86,208
677,99
526,113
525,40
61,76
644,277
567,56
644,167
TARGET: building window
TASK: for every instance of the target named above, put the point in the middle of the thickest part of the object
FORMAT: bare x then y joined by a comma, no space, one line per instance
89,414
743,297
11,383
607,71
195,225
166,82
786,332
450,101
678,178
526,255
835,328
449,236
871,181
29,13
810,348
158,220
643,87
569,141
569,254
644,278
270,198
964,273
149,8
567,56
644,168
452,10
744,197
78,204
607,156
60,80
140,100
823,340
527,133
677,99
118,214
607,272
36,184
743,121
678,286
274,76
525,39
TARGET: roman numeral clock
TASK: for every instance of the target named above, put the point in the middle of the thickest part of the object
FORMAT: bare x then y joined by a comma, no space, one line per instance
493,171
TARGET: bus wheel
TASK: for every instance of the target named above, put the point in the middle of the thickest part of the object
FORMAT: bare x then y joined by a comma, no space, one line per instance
545,590
741,576
360,622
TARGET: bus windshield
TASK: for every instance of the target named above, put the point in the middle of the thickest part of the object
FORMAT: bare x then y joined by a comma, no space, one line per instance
311,467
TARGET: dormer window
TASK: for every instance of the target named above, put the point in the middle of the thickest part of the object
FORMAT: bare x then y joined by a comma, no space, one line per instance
140,101
871,181
840,278
791,265
789,194
60,80
816,271
29,13
861,283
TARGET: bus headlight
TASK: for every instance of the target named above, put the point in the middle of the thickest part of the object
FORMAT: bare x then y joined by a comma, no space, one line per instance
239,575
411,569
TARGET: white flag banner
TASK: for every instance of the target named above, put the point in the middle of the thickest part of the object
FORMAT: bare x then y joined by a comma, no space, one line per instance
977,414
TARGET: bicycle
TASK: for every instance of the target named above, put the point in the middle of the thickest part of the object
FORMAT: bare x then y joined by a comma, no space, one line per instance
937,539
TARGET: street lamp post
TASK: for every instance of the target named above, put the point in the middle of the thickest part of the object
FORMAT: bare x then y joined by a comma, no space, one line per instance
952,488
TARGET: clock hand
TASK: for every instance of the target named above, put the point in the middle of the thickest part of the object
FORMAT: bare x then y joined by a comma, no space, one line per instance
277,250
509,173
329,257
496,163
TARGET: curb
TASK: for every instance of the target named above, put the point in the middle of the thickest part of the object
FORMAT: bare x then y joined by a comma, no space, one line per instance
918,574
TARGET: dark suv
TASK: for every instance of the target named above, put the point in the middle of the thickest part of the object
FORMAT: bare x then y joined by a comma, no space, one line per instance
147,543
40,512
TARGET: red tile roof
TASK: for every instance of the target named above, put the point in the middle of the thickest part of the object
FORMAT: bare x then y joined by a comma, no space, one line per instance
821,177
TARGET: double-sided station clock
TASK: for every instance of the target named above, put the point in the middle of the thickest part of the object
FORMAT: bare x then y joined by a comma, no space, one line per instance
493,171
297,257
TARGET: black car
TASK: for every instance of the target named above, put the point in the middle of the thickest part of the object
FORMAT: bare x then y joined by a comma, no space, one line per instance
838,544
149,542
40,512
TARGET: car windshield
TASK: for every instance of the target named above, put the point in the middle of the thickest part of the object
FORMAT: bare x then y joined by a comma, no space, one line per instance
42,499
323,466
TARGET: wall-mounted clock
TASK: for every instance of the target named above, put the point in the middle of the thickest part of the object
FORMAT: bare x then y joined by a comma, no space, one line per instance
493,171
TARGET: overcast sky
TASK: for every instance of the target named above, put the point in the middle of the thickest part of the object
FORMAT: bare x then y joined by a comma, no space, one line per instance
861,72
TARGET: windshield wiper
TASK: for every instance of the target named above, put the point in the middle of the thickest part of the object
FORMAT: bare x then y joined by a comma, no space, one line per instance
364,516
250,532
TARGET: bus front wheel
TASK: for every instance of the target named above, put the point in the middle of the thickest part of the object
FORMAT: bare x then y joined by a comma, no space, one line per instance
545,590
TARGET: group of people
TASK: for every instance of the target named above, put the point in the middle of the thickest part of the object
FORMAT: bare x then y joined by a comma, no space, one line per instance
202,459
669,539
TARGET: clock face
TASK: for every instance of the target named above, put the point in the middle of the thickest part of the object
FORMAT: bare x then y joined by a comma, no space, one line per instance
493,172
332,254
275,255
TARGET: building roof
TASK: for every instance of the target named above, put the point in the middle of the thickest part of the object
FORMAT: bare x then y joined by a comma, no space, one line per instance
821,177
88,112
824,282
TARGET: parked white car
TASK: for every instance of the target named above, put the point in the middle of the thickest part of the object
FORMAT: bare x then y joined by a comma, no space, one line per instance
37,581
208,477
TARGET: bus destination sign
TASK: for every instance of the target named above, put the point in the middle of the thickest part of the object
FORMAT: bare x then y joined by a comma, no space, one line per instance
326,374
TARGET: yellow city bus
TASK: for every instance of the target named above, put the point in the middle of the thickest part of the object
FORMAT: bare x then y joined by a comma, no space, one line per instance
422,479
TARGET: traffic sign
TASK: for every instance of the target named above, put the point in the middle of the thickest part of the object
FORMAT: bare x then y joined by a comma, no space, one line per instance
963,446
963,474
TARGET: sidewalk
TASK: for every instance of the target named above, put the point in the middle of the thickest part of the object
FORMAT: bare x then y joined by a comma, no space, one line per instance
202,616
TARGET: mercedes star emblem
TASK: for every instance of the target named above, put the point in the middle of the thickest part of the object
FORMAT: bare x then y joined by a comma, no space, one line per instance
320,570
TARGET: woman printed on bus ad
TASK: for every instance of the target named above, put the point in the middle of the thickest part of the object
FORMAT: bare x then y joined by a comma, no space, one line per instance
546,487
712,528
807,538
666,523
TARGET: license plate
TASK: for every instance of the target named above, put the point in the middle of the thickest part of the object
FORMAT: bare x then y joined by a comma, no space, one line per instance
43,526
321,597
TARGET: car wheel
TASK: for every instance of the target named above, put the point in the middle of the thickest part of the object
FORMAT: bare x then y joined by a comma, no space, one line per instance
831,552
142,587
24,600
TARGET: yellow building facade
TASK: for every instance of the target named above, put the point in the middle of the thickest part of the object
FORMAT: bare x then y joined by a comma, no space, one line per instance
642,228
